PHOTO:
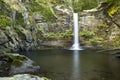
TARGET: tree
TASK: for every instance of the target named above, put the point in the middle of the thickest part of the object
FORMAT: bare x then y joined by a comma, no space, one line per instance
111,10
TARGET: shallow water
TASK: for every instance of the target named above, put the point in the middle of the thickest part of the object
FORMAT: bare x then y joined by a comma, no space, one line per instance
76,65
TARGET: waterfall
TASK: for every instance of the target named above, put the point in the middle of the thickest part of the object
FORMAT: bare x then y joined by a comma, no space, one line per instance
76,45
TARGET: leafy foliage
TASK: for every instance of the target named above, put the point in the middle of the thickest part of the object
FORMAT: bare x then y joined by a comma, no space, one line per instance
4,21
16,5
44,7
66,35
4,18
87,34
81,5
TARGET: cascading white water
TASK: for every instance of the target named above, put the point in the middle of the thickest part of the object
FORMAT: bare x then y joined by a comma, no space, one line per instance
76,45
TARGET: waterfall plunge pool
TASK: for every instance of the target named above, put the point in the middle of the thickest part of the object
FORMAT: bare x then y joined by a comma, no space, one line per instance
76,65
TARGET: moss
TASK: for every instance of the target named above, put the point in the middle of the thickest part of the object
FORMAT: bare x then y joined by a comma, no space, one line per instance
103,30
44,78
51,36
95,41
4,21
87,34
17,59
17,63
22,32
19,19
63,35
113,10
116,41
44,8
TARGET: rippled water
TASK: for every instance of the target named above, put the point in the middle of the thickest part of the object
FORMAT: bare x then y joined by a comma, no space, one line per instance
76,65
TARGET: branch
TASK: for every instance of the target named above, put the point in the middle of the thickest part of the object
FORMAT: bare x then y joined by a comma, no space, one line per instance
111,19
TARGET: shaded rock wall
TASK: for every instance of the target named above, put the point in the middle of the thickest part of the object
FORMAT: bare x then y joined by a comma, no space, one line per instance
30,34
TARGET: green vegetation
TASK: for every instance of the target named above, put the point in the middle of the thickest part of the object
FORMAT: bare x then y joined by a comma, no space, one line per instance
4,21
116,41
81,5
55,36
17,60
90,38
95,41
87,34
4,18
44,7
44,11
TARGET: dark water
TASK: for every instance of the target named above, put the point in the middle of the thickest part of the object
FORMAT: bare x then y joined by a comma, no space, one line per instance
76,65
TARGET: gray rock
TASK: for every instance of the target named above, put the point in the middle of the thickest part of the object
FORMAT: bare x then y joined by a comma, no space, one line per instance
23,77
117,55
15,64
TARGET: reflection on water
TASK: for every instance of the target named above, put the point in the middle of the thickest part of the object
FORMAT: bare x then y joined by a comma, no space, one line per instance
76,65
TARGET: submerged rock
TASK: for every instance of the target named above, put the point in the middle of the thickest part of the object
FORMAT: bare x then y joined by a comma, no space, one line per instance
15,63
24,77
117,55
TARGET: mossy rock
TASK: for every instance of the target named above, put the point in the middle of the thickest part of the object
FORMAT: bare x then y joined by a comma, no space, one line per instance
14,63
24,77
16,59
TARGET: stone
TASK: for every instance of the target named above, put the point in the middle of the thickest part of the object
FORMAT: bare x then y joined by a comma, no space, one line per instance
24,77
14,64
117,55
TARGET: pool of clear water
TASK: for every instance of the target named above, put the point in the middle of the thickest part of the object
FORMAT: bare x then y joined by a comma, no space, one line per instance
61,64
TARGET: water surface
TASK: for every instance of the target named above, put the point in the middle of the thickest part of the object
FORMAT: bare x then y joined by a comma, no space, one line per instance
76,65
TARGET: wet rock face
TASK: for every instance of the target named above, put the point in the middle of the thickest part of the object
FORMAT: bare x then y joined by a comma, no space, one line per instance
14,63
18,39
23,77
29,34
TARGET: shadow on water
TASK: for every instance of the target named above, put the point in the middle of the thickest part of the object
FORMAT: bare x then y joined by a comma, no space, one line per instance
76,65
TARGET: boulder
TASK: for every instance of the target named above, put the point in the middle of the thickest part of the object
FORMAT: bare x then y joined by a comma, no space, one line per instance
14,64
117,55
24,77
